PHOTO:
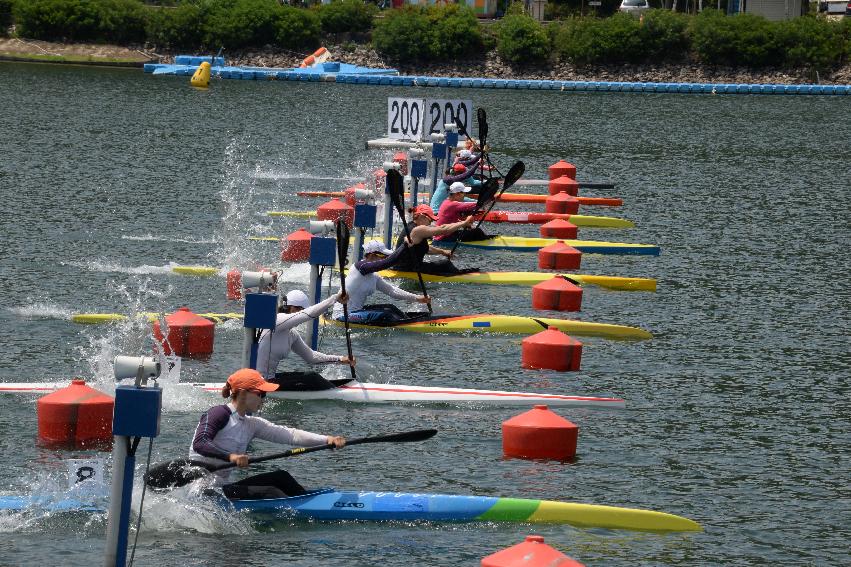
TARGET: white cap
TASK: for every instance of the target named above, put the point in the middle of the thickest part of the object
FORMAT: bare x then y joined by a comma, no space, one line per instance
297,298
375,247
465,153
458,187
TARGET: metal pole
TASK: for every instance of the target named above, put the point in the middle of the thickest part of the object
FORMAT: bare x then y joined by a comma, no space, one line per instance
120,498
315,287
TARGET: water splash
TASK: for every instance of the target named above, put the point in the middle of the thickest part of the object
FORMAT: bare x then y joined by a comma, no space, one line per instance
161,238
144,270
43,310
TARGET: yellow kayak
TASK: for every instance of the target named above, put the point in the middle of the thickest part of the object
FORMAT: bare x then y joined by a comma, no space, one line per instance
101,318
513,324
523,244
530,279
198,271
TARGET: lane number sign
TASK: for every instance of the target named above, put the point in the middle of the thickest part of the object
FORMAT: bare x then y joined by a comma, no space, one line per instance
416,119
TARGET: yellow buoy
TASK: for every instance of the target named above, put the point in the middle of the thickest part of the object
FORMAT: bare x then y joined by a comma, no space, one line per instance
201,78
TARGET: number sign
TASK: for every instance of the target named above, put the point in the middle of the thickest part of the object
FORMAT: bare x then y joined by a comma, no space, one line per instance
416,119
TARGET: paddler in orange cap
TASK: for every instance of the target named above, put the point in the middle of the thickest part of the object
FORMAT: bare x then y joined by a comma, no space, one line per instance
225,431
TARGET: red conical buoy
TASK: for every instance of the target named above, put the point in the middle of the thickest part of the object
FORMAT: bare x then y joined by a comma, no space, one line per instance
336,209
539,434
402,159
562,203
564,184
234,283
560,168
558,228
189,335
75,417
557,294
531,553
559,256
551,350
295,247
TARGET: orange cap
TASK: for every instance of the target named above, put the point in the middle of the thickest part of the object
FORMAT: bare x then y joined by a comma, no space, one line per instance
425,210
248,379
459,168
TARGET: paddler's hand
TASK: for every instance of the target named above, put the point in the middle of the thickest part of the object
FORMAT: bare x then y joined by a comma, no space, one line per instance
468,222
240,460
347,360
344,298
337,441
408,242
447,253
424,299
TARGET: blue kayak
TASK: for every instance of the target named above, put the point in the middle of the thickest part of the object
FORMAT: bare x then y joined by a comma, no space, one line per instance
331,504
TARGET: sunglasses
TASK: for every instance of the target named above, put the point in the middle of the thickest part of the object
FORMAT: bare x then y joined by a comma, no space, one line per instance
260,393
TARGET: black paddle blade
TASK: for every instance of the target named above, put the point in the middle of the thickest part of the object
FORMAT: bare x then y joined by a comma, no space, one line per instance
408,436
461,128
487,192
514,174
174,474
483,126
342,242
395,186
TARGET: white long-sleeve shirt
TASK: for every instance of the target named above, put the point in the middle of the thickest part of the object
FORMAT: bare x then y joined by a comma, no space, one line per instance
276,346
222,431
363,281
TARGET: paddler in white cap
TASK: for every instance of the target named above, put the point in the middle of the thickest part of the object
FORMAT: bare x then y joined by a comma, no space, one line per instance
363,280
276,346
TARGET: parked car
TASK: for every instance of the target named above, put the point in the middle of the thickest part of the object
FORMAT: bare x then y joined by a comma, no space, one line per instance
634,7
848,10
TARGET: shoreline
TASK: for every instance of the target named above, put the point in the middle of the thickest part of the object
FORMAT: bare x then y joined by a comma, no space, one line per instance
486,66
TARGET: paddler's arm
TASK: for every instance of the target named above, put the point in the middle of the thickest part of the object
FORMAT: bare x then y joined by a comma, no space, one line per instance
366,268
311,356
421,233
396,293
312,312
269,431
212,421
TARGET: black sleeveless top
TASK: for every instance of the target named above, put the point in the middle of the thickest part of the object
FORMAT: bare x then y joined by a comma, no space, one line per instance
412,257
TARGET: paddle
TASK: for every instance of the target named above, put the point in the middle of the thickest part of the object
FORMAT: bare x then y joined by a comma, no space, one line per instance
487,192
183,471
342,252
514,174
394,186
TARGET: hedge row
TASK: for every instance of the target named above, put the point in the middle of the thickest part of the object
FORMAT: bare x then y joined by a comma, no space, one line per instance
415,33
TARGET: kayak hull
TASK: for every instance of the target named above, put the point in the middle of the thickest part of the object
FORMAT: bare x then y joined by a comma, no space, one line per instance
367,392
332,505
523,244
530,279
511,324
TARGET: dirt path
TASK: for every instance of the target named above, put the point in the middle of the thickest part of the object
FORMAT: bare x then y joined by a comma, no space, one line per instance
72,52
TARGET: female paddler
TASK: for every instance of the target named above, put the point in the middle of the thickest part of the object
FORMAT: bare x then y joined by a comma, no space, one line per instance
421,229
363,280
225,431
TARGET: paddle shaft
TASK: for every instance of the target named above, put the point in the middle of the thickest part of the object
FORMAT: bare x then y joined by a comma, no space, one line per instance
399,203
342,248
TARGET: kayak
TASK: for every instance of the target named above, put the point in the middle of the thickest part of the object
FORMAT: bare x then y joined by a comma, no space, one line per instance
328,504
589,221
524,244
367,392
505,198
100,318
198,271
425,323
530,279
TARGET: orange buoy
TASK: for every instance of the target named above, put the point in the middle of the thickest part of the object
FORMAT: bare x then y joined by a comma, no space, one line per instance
531,553
562,203
558,228
295,247
402,159
557,294
75,417
336,209
551,350
564,184
539,434
560,168
559,256
234,280
189,335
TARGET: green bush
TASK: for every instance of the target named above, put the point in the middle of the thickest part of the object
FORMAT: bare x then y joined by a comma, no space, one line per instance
118,21
413,33
341,16
297,29
809,42
176,28
591,41
664,35
241,23
522,40
740,40
5,16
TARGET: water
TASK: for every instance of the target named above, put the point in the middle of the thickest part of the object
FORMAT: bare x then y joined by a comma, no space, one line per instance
738,412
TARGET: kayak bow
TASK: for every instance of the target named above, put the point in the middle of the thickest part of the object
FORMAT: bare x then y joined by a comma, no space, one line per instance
530,279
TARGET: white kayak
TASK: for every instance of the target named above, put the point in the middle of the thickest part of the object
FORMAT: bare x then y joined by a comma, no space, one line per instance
368,392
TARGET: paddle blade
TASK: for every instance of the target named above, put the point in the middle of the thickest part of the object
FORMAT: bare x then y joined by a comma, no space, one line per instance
174,474
461,128
395,187
342,242
488,192
406,437
514,174
483,126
